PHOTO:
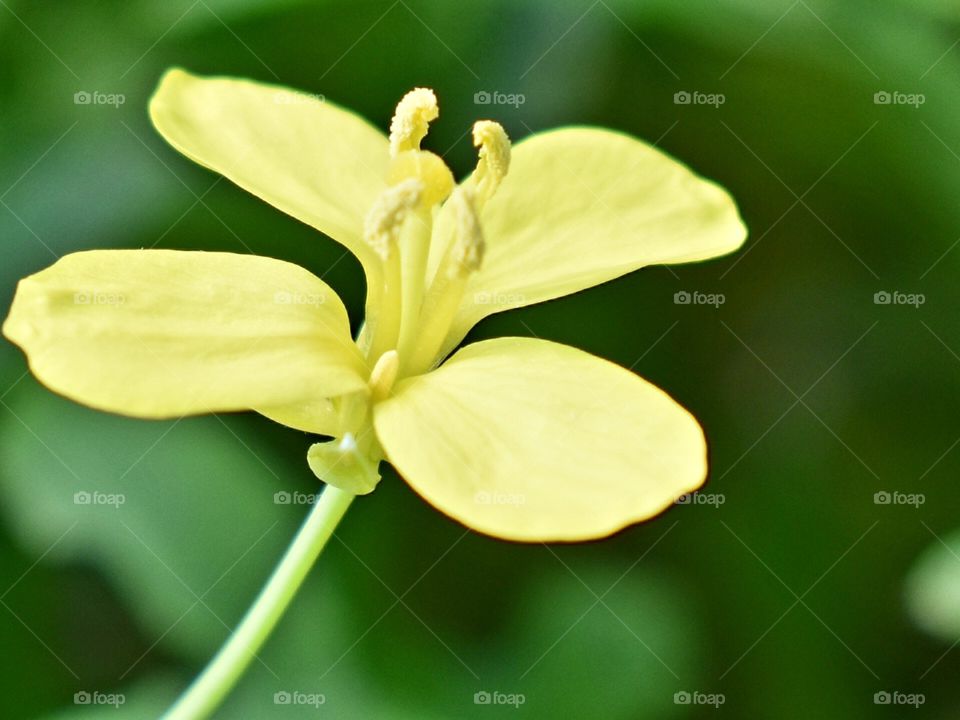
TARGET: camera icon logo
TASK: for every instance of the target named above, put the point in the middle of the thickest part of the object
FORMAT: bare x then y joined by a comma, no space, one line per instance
281,698
882,98
681,698
482,98
82,97
882,698
881,498
82,698
682,297
481,698
81,498
682,98
281,497
882,298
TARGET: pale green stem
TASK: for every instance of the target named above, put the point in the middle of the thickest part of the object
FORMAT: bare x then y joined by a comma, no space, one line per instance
209,689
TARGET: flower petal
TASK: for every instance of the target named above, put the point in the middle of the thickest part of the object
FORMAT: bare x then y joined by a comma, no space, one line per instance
530,440
163,333
312,415
305,156
581,206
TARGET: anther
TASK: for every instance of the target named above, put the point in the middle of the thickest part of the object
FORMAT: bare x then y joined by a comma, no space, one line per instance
411,119
468,243
382,226
384,375
494,160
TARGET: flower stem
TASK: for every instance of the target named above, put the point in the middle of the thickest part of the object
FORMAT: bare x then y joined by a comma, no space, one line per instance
209,689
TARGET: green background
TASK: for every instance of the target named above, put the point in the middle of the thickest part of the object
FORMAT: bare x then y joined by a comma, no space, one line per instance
798,597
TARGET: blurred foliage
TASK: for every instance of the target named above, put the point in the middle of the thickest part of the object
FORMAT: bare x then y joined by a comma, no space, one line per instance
791,598
934,588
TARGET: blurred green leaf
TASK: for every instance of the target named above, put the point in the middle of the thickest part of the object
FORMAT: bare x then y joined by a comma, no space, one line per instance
146,699
179,514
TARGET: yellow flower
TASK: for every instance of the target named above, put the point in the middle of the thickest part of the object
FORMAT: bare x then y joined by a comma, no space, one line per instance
519,438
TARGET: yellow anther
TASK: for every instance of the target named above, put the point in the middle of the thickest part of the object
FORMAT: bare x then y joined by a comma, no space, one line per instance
427,168
494,161
468,243
411,119
384,375
383,223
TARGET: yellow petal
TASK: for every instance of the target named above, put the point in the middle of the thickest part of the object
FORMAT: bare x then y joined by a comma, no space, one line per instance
306,156
530,440
312,415
581,206
163,333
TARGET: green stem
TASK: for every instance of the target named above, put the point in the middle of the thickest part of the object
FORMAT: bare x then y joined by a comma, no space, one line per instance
209,689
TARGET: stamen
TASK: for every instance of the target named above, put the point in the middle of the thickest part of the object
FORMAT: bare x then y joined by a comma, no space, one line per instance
384,375
494,161
382,226
468,247
382,230
442,302
411,119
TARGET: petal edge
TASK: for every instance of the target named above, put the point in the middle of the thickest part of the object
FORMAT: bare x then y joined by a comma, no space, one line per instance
534,441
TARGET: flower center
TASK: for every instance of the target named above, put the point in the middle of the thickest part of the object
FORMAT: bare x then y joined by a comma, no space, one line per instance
424,216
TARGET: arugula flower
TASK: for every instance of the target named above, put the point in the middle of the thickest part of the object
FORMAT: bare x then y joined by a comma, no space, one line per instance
518,438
